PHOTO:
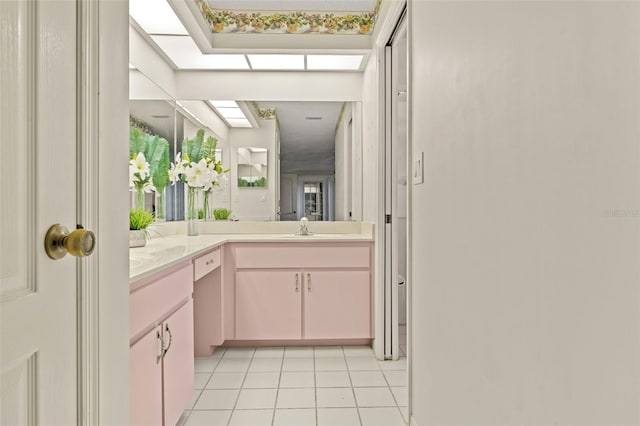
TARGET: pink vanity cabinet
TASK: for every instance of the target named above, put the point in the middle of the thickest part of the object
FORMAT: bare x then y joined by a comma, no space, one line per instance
161,346
207,302
302,291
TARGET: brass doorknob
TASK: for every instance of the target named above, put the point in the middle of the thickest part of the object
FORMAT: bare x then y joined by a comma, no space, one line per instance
58,242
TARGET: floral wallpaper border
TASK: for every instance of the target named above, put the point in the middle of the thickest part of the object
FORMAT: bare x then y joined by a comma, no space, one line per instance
225,21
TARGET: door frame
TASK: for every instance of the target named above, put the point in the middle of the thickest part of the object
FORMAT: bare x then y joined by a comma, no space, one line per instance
102,149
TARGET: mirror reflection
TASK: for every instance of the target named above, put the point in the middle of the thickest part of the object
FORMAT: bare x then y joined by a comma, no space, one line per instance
252,167
292,160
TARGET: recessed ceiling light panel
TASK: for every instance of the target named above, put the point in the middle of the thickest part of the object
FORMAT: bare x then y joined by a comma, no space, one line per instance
276,62
334,62
182,50
224,104
156,17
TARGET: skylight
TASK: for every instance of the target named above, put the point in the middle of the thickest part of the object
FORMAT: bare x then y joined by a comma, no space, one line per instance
231,113
182,50
334,62
276,62
161,19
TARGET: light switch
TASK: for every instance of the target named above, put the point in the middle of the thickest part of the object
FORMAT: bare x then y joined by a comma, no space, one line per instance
418,168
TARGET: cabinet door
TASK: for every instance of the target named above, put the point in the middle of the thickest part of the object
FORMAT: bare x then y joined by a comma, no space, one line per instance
337,305
178,363
268,305
146,380
207,313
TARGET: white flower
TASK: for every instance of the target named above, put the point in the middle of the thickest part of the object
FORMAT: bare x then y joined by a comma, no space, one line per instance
140,165
174,174
197,175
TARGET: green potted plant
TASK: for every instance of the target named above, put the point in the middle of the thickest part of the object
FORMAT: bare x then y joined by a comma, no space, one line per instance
139,220
221,214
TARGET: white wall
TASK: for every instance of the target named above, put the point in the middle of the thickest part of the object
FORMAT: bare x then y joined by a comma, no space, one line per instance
144,58
348,190
254,203
269,85
525,233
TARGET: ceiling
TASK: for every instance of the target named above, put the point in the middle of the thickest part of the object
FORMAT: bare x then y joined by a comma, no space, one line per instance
178,30
306,145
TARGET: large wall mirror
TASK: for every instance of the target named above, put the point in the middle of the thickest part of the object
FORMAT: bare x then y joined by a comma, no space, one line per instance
299,159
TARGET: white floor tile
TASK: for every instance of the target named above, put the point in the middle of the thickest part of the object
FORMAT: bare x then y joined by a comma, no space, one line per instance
334,397
331,364
328,352
297,364
296,398
251,418
208,418
193,399
269,352
218,353
298,352
265,364
226,381
358,351
332,379
182,421
381,417
401,394
374,397
239,352
297,379
338,416
233,365
216,399
367,378
250,399
295,417
205,365
261,380
400,364
362,364
397,377
405,414
201,380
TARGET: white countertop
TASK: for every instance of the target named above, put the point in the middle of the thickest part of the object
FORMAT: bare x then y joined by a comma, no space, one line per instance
165,251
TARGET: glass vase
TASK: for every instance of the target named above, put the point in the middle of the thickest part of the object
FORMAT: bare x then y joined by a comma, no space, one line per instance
207,204
137,198
161,207
192,209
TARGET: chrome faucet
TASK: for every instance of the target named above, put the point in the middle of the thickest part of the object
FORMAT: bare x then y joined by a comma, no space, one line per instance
304,227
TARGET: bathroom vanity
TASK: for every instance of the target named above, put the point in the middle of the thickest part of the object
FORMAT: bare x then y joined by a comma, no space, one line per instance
190,295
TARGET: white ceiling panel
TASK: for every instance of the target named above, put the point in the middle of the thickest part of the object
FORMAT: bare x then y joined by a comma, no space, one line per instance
156,17
183,51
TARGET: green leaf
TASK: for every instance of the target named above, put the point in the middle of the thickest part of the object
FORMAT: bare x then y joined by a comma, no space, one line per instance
209,149
136,142
157,154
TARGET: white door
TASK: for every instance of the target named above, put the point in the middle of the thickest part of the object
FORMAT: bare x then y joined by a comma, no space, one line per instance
38,361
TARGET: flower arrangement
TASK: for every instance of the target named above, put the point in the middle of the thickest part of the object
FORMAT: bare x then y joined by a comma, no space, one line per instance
257,22
242,20
365,22
275,21
315,22
197,167
148,167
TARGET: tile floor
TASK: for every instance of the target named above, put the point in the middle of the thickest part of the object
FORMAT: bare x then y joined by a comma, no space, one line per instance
300,386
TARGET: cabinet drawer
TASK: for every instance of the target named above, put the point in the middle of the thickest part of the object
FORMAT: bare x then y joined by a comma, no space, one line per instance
206,263
294,256
149,304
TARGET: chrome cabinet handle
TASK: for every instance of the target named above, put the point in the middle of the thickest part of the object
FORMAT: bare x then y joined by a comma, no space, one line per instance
309,282
164,352
161,347
297,283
